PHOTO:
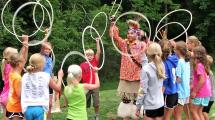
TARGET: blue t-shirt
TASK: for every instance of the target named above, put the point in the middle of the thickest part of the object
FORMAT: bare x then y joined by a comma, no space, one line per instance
183,72
170,84
48,65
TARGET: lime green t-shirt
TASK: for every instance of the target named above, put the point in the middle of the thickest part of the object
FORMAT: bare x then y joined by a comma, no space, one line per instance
76,102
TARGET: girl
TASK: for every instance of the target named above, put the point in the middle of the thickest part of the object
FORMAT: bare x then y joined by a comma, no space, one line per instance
183,79
35,88
150,92
201,85
192,42
6,69
170,85
75,93
14,111
206,109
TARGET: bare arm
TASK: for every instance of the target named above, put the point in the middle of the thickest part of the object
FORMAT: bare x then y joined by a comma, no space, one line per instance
198,86
54,85
98,52
24,52
97,82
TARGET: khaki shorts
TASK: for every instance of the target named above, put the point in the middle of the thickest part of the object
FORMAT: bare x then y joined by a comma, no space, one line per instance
95,95
128,89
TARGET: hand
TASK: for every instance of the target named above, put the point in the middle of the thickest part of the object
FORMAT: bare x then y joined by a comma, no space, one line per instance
97,39
96,69
193,94
25,40
46,30
137,113
60,73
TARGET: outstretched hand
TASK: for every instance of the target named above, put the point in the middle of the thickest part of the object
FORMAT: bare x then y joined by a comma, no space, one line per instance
25,39
60,73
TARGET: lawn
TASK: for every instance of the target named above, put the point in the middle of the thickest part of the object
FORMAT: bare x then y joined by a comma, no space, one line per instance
108,103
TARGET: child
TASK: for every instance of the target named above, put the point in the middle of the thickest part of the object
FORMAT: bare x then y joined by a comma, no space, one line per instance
75,93
192,42
150,92
87,78
201,92
206,109
183,79
6,68
170,84
14,110
35,88
48,67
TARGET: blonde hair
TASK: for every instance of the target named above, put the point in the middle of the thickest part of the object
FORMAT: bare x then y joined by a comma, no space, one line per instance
36,62
14,60
47,45
154,53
6,55
73,72
89,51
210,59
195,40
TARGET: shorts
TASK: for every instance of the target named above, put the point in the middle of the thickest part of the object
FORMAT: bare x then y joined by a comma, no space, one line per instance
201,101
155,113
183,101
95,95
207,108
11,115
170,101
35,113
50,91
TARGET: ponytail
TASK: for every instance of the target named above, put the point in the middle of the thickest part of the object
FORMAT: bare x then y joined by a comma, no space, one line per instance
30,68
159,66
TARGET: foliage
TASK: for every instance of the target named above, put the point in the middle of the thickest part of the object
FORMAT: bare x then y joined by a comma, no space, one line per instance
71,17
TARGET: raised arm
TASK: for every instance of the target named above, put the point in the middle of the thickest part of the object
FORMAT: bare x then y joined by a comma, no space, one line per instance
98,48
114,32
24,51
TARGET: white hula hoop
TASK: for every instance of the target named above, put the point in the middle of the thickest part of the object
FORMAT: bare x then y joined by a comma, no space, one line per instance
105,24
184,10
90,27
132,13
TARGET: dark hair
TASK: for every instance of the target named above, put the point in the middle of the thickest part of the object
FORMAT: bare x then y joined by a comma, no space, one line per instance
182,48
166,48
201,55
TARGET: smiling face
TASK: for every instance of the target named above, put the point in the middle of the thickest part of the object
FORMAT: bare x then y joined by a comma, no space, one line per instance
131,35
46,48
89,54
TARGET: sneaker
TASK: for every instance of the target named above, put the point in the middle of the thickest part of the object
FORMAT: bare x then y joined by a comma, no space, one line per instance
96,117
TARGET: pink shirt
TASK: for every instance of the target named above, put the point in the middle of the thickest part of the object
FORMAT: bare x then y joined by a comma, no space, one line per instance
205,89
5,91
86,72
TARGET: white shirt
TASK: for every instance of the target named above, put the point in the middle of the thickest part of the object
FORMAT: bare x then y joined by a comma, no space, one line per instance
35,90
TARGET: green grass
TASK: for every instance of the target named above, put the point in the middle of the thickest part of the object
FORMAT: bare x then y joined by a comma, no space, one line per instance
109,102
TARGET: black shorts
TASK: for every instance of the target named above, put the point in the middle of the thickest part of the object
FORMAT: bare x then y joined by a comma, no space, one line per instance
207,108
50,91
11,115
155,113
170,101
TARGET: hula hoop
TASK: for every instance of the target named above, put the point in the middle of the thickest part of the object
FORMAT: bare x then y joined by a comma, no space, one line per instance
74,53
94,20
116,9
184,10
132,13
22,6
90,27
170,24
35,23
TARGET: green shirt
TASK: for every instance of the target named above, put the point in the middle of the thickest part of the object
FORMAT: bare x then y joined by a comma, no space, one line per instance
76,102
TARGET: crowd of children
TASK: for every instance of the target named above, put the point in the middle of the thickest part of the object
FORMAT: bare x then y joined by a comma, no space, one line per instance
165,78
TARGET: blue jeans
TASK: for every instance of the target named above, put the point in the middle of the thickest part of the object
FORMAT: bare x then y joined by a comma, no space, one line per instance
35,113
